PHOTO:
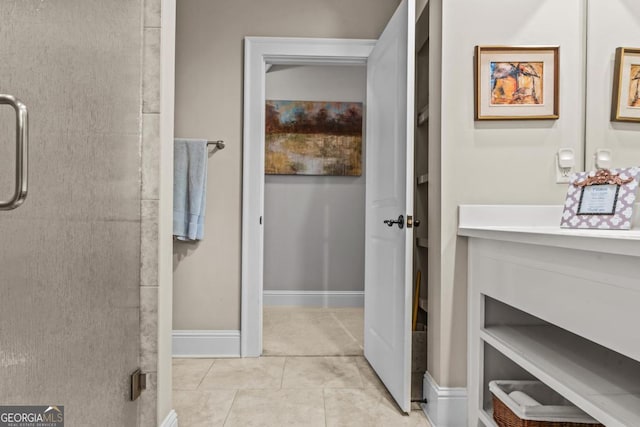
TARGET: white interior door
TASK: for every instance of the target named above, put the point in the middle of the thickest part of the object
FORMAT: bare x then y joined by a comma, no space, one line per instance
389,194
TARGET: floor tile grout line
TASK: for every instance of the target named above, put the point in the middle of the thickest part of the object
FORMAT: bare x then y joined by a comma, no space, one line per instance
213,362
344,328
284,365
324,403
360,373
235,395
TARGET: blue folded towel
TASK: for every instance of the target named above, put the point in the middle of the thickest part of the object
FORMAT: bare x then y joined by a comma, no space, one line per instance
189,188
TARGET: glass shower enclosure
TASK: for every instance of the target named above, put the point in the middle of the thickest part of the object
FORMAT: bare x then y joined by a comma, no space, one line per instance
70,74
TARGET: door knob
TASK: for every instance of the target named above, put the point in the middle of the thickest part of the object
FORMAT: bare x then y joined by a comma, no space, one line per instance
399,221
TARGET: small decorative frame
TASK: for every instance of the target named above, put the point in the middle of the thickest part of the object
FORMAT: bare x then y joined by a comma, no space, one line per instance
601,199
625,105
517,82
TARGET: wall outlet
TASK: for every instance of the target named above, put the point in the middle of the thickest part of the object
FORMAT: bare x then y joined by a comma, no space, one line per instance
603,159
565,164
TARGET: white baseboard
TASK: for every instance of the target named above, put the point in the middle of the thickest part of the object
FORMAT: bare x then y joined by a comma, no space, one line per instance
314,298
446,406
171,420
204,343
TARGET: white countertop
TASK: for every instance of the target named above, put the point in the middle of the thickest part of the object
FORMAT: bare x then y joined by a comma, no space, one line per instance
539,224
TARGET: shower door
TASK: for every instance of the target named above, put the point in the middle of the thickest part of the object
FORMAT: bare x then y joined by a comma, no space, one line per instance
70,254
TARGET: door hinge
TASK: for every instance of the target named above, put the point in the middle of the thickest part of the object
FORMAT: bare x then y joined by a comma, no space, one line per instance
138,383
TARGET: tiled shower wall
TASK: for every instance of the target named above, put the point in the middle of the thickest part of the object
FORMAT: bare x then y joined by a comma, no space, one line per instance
150,171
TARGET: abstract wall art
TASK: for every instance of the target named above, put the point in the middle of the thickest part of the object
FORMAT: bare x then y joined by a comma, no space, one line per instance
313,138
516,82
626,86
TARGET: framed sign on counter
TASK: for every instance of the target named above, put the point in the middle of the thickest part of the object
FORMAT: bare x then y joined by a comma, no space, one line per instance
601,199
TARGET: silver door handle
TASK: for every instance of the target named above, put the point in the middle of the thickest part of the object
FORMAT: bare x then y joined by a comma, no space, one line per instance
22,152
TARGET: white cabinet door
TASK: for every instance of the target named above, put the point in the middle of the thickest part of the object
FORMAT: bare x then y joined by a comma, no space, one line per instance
389,194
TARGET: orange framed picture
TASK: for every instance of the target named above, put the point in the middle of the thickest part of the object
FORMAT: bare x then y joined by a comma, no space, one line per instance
517,82
626,86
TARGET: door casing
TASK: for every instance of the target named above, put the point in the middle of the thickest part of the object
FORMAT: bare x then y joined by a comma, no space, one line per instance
258,52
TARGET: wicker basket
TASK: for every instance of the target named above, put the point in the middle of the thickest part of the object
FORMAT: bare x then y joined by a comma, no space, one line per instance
505,416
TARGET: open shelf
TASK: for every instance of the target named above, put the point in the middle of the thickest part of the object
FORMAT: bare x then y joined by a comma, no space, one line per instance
422,242
423,179
603,383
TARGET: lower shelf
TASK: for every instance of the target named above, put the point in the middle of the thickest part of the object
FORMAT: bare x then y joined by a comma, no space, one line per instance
487,419
604,384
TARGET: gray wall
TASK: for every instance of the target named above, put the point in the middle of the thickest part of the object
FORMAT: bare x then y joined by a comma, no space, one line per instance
314,225
209,70
70,256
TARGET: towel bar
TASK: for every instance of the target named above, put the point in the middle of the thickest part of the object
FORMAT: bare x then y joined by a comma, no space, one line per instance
219,144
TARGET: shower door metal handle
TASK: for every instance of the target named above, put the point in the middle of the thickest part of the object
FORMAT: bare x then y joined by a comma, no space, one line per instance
22,152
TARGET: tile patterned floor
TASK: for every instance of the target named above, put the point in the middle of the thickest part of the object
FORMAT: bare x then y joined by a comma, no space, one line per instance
313,374
284,391
306,331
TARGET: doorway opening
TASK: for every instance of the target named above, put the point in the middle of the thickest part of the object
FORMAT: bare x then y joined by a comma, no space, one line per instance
288,56
314,205
389,191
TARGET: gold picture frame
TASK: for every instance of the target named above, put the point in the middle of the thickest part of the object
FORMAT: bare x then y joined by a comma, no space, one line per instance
625,104
517,82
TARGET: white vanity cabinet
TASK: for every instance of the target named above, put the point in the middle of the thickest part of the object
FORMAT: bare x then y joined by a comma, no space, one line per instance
561,306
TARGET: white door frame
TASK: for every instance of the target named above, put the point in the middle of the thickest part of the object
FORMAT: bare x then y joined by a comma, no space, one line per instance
258,52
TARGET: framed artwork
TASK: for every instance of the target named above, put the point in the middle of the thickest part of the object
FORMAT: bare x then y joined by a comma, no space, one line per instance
517,82
601,199
313,138
626,86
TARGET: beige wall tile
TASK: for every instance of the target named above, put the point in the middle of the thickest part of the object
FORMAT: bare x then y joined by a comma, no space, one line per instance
150,156
152,13
149,328
149,243
151,71
147,403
